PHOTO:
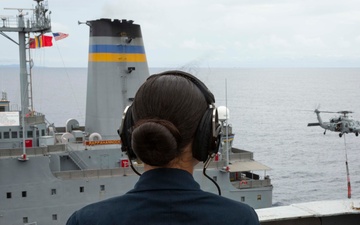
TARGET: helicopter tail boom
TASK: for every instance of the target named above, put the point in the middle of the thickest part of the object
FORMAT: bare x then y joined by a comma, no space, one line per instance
313,124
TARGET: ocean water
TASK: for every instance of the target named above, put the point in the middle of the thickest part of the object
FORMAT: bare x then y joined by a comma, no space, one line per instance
269,112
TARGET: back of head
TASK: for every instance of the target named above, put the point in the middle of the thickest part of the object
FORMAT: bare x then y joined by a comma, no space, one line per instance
166,112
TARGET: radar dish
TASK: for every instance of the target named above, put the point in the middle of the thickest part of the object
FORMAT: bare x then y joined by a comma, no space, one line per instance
223,113
71,124
67,137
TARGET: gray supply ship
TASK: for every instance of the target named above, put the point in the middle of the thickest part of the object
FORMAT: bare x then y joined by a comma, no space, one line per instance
48,172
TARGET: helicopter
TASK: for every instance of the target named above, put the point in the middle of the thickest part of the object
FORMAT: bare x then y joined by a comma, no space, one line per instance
342,124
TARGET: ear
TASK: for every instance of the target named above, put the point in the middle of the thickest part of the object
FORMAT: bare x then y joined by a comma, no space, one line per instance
207,136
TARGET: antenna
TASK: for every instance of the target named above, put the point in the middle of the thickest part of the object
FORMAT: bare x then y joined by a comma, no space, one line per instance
20,10
86,23
227,127
3,18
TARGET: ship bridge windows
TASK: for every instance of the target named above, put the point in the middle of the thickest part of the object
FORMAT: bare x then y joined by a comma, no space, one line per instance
9,134
6,135
29,134
14,134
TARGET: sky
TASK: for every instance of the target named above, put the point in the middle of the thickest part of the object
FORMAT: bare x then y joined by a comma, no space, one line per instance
208,33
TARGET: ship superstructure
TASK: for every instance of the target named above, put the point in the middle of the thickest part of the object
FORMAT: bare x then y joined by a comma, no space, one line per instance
48,172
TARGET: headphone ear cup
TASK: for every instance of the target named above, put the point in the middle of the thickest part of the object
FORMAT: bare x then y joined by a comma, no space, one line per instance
205,143
125,135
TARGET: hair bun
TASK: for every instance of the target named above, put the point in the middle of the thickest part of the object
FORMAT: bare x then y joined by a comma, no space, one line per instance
155,142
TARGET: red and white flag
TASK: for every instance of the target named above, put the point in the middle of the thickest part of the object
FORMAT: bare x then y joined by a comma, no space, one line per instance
40,41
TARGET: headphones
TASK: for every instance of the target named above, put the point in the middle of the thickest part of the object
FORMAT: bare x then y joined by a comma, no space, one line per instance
207,136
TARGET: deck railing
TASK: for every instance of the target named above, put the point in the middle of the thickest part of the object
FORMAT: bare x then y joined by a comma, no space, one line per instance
16,152
251,183
35,119
97,173
25,21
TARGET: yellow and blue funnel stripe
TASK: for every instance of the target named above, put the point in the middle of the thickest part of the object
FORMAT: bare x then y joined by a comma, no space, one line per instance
116,53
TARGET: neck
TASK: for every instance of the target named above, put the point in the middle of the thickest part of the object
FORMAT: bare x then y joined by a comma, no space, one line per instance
184,162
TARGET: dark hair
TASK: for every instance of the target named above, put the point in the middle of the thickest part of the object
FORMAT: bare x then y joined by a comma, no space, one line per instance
166,110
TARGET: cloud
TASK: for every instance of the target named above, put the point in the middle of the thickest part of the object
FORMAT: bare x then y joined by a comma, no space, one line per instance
227,33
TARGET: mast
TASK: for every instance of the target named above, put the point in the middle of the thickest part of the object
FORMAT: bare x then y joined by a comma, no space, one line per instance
39,23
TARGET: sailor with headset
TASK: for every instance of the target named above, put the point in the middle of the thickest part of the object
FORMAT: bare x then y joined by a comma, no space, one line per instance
171,126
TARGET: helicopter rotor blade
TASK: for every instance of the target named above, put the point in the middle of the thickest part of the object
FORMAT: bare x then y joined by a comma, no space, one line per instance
345,112
327,112
305,110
